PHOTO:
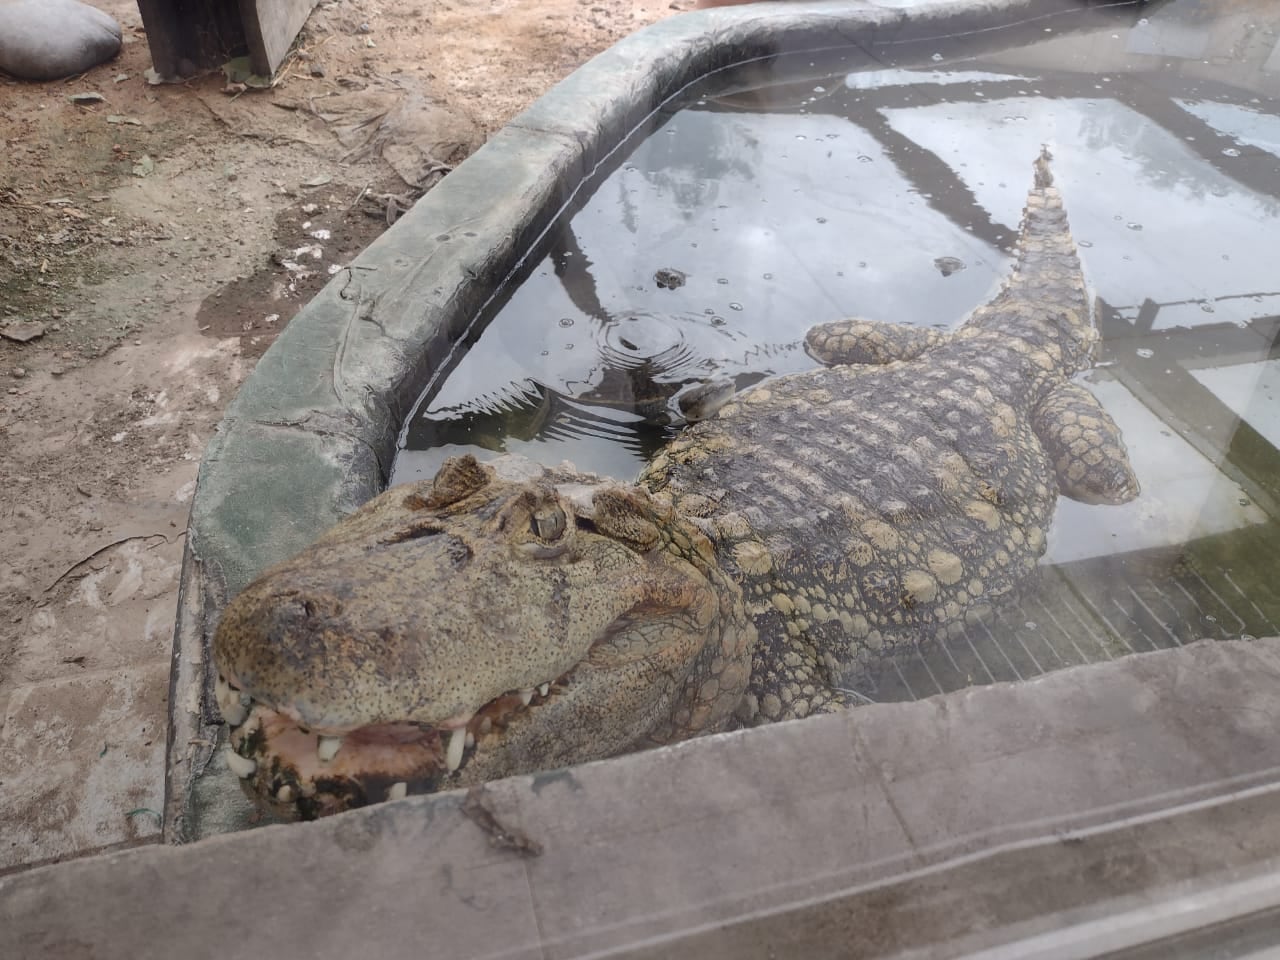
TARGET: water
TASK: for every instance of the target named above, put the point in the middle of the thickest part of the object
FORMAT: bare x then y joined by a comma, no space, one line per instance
764,203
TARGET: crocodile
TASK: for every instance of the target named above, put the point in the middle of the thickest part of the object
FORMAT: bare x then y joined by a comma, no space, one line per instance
502,619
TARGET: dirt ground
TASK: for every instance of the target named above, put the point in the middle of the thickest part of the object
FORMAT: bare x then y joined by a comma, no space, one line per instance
152,244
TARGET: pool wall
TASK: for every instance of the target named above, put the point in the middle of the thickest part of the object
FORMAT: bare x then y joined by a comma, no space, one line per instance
1084,814
311,434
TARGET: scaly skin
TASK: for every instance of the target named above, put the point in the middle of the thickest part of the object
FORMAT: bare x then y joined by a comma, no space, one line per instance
481,624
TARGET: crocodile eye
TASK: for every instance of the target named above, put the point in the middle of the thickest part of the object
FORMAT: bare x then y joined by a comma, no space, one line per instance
548,522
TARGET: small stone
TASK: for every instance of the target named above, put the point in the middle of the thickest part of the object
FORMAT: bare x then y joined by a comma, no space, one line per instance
317,70
19,373
56,371
22,332
669,278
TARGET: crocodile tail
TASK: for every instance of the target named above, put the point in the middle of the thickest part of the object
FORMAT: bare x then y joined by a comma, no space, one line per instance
1044,176
1045,300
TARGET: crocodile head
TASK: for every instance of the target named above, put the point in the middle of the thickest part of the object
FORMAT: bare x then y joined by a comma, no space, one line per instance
473,627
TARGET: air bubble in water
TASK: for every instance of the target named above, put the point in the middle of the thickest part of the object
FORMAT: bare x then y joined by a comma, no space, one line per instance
1231,152
1134,226
566,321
1146,353
936,58
722,280
822,219
735,306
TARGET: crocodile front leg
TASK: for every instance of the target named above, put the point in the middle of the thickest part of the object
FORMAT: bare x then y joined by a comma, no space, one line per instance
868,341
1084,445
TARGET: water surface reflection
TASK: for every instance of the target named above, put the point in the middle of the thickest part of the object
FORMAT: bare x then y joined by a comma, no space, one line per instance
747,215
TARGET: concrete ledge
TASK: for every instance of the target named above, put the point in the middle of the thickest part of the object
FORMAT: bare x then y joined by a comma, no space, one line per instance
943,826
311,434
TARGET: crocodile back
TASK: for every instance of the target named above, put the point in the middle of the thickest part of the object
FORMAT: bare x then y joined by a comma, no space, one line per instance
865,508
1042,311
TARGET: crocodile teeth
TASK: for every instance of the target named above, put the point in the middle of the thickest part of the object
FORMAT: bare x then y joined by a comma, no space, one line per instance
398,791
231,703
471,739
544,689
526,696
242,767
485,725
234,713
453,755
328,748
285,794
222,691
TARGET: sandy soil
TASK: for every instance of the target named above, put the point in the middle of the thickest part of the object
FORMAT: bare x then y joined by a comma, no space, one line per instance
152,244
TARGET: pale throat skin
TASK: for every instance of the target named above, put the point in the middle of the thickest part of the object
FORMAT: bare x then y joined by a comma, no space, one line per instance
495,621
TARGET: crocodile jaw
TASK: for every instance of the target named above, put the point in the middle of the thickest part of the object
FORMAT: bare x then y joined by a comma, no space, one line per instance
396,636
288,767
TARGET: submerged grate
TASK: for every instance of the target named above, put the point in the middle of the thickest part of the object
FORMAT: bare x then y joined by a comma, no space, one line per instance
1091,611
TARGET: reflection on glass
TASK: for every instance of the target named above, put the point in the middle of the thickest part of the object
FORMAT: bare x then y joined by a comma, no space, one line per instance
895,195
